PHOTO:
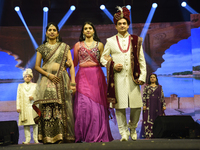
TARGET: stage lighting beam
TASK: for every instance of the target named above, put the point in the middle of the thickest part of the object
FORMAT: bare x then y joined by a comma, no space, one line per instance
154,5
102,7
32,61
45,21
108,14
130,30
65,18
72,7
147,23
128,7
190,9
25,25
17,8
183,4
45,9
148,59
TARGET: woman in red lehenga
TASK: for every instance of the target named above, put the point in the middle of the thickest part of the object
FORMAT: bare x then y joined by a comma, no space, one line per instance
153,105
90,105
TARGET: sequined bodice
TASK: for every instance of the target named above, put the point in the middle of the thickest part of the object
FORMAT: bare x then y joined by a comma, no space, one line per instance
88,54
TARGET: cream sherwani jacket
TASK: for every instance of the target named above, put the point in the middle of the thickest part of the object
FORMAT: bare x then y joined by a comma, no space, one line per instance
27,114
127,92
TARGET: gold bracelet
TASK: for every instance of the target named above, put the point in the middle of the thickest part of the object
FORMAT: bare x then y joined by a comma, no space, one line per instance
73,84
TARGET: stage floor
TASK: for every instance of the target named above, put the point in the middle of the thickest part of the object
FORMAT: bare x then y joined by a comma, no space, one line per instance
158,144
153,144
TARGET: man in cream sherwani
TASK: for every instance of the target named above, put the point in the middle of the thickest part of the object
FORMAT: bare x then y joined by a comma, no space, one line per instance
127,89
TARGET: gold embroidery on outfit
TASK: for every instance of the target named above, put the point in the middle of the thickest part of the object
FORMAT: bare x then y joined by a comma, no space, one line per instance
56,123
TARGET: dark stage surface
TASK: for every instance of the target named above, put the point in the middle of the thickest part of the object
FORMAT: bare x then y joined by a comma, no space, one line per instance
155,144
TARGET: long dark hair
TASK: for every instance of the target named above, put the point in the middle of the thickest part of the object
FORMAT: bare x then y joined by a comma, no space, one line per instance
54,24
149,82
95,37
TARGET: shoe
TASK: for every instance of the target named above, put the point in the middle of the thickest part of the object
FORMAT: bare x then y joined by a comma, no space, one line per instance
25,142
125,137
133,135
36,142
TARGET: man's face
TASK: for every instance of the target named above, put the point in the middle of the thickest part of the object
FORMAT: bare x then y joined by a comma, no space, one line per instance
27,78
122,26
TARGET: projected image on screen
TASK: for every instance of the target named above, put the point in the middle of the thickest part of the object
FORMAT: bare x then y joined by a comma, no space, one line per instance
10,76
196,61
175,74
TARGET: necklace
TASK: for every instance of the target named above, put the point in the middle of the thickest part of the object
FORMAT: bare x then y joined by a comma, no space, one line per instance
51,46
153,85
89,47
129,41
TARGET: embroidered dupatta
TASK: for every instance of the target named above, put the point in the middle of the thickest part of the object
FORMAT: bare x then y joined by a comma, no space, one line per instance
110,83
54,63
136,42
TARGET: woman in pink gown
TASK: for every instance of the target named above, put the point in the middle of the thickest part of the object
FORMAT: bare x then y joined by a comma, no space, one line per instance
90,106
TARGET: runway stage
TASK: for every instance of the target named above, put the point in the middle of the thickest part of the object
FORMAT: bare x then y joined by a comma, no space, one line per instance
142,144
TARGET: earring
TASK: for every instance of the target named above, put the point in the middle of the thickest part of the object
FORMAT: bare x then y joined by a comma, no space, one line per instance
57,39
47,39
83,36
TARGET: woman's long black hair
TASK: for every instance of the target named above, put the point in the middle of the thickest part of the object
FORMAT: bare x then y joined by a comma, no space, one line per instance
54,24
95,37
149,82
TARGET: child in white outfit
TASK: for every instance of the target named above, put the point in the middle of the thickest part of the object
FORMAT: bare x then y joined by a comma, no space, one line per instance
25,97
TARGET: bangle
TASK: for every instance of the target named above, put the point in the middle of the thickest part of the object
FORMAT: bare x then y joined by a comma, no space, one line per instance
48,75
73,84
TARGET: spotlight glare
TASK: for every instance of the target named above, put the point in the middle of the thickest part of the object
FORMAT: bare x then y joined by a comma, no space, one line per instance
65,18
154,5
17,8
102,7
183,4
45,9
72,7
128,7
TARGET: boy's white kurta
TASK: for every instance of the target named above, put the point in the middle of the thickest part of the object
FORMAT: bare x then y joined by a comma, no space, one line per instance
27,114
127,92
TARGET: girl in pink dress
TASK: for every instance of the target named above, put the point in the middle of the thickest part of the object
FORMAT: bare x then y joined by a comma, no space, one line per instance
90,106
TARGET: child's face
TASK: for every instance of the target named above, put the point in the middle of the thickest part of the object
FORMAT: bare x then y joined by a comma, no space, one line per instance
27,78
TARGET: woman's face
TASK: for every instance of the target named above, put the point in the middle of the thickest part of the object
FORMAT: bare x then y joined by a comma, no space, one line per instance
52,32
88,30
153,78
